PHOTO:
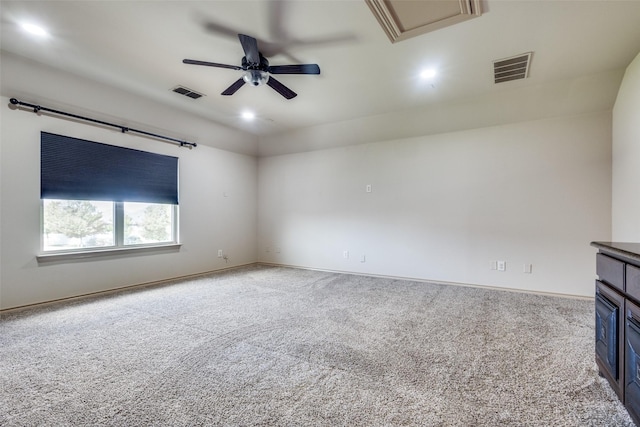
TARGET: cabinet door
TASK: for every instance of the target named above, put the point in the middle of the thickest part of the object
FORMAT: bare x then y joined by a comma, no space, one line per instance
632,361
609,336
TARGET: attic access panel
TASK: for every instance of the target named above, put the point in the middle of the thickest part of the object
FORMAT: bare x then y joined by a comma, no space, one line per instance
402,19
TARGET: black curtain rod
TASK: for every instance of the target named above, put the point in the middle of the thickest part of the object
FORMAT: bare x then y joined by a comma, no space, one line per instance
124,129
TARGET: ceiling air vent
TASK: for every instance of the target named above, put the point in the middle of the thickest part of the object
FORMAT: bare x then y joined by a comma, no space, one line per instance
514,68
187,92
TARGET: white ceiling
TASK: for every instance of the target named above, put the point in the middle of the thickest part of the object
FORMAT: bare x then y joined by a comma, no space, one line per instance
139,46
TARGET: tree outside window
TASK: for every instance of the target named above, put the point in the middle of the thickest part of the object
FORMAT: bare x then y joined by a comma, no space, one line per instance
77,224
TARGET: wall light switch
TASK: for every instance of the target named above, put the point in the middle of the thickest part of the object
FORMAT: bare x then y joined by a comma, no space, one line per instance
219,253
368,188
345,254
527,268
363,258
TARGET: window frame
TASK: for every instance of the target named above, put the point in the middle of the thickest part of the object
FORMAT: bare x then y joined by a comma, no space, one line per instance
119,247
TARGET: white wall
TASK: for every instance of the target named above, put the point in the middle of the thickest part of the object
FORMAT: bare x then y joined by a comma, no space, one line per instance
208,220
444,206
626,157
509,104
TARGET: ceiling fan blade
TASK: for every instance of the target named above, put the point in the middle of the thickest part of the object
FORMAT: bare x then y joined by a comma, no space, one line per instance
294,69
280,88
215,27
234,87
210,64
250,47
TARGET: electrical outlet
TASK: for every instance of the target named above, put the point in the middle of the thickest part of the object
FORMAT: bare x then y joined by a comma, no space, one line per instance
363,258
528,268
368,188
502,265
219,253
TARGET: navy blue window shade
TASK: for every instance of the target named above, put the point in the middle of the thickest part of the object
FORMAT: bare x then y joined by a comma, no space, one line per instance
76,169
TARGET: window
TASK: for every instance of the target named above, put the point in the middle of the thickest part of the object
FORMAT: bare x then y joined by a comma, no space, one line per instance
70,225
147,223
98,196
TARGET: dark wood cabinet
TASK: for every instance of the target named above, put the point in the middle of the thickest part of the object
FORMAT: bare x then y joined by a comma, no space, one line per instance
617,320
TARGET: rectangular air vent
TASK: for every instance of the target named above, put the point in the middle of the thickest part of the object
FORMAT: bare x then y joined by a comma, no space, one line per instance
187,92
514,68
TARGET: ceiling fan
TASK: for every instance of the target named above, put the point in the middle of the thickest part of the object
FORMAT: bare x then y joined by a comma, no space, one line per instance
257,70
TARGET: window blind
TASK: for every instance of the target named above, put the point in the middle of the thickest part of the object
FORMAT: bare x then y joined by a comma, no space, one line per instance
77,169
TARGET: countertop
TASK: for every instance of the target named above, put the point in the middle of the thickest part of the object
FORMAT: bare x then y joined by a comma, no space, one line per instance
624,249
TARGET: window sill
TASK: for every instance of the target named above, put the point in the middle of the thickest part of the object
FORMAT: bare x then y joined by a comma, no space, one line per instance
106,253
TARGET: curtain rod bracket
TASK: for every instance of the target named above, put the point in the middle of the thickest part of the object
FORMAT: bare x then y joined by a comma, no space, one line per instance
124,129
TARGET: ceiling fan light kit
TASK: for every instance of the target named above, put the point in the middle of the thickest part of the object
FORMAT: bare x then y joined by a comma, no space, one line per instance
257,70
255,77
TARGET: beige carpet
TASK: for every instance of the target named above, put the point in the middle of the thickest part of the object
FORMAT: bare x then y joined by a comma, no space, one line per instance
284,347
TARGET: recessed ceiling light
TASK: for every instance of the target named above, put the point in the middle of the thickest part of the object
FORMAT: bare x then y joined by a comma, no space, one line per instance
248,115
428,73
34,29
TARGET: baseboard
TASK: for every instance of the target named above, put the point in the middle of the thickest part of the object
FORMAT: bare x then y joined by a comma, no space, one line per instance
438,282
236,267
122,288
